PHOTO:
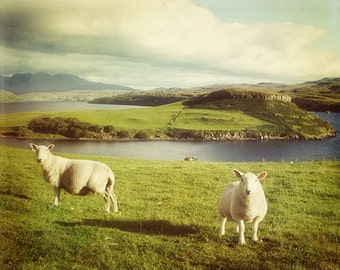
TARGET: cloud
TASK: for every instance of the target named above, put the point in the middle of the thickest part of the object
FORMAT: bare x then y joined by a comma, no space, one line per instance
143,42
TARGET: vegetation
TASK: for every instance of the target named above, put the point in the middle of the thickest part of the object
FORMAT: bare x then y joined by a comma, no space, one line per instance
169,218
6,96
290,120
68,127
221,115
145,98
322,95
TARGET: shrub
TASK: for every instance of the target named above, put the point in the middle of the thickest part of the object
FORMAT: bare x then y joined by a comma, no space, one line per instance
143,135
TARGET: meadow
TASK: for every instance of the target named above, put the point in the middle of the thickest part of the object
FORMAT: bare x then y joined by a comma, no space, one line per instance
168,217
220,118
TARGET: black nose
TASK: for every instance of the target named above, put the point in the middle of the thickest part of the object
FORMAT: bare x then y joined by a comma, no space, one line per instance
39,160
248,192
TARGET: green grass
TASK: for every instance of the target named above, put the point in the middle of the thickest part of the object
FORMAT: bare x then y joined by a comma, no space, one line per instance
154,120
137,118
203,119
169,218
224,114
227,118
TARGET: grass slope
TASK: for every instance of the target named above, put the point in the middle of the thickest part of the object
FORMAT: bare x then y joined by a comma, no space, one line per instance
322,95
6,96
215,116
289,119
169,218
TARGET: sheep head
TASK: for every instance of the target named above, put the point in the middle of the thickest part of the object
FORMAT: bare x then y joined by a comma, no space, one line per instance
42,151
249,181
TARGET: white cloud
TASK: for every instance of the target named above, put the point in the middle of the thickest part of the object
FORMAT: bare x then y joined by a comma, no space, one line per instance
143,42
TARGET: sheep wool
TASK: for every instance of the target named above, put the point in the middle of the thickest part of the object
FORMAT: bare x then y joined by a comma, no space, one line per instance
77,177
243,202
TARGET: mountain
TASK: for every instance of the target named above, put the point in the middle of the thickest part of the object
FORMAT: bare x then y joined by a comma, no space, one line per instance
44,82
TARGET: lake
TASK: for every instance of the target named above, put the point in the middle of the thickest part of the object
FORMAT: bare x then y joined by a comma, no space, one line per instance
34,106
232,151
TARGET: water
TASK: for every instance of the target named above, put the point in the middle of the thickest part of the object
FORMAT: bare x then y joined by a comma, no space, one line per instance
33,106
233,151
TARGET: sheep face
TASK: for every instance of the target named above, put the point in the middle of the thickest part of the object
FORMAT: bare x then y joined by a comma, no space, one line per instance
42,151
249,181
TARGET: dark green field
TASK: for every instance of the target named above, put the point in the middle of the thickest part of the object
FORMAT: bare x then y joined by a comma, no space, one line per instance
169,218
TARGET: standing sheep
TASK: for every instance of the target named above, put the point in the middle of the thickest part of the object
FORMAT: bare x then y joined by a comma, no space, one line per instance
242,202
78,177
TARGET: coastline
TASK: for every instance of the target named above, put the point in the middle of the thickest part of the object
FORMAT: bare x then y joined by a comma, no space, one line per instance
220,139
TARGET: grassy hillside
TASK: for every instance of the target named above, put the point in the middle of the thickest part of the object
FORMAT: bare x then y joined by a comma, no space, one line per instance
221,115
6,96
322,95
276,109
169,218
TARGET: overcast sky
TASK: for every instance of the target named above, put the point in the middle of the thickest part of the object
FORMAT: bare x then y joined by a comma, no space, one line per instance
172,43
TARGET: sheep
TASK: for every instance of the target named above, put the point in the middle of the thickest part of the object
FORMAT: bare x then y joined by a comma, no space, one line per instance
77,177
243,202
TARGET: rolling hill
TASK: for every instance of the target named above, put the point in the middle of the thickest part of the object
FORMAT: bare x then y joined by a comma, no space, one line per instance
220,115
322,95
6,96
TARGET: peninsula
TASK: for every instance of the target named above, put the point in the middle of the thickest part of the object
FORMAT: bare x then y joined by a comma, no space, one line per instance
227,114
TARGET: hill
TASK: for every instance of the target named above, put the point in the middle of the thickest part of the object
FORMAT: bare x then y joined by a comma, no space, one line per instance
221,115
43,82
322,95
6,96
277,109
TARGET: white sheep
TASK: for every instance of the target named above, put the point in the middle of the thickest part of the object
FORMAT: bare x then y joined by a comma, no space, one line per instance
243,202
77,177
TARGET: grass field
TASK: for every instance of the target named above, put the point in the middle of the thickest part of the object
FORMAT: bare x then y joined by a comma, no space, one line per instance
169,218
217,119
156,119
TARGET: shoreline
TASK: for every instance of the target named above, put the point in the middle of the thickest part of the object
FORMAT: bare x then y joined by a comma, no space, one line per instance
234,138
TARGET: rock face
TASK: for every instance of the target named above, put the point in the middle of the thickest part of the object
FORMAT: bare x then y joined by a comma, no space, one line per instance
247,94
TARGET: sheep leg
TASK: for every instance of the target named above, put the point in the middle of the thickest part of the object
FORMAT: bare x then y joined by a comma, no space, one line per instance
255,228
114,201
224,220
106,197
109,192
56,196
241,226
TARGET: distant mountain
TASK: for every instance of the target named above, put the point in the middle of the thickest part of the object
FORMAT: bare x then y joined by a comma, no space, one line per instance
44,82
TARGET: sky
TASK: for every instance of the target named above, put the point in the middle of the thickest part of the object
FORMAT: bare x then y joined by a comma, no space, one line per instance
172,43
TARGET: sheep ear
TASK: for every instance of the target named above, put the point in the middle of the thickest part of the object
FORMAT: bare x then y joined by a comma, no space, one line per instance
261,175
51,146
237,173
33,146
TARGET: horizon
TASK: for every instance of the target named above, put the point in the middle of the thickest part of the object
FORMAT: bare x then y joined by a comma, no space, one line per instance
167,88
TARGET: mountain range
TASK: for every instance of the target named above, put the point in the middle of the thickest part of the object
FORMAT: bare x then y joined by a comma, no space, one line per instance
44,82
